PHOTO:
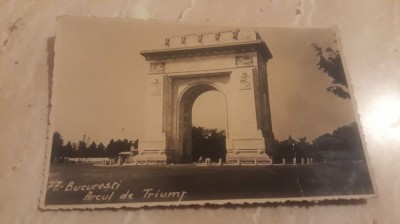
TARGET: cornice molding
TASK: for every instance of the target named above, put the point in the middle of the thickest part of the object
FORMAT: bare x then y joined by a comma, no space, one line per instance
207,50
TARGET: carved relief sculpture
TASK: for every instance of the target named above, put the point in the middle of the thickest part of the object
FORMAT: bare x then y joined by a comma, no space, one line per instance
244,81
217,36
157,67
167,40
244,60
156,87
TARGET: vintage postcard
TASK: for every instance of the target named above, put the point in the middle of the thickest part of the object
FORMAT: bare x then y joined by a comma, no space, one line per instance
158,114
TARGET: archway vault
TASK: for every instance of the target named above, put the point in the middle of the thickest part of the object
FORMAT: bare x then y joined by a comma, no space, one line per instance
236,68
184,115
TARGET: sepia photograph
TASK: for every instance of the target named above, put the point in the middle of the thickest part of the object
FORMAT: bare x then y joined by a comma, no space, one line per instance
147,113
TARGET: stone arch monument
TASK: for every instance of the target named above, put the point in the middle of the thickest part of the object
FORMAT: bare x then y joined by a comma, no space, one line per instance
231,62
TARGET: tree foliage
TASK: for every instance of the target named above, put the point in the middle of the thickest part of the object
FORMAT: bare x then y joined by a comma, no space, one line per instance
291,148
208,143
57,148
343,144
60,152
330,62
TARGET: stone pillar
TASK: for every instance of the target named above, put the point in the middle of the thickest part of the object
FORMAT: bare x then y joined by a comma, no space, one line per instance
246,124
153,144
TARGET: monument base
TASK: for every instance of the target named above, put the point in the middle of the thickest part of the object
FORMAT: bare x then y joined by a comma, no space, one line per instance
150,157
254,157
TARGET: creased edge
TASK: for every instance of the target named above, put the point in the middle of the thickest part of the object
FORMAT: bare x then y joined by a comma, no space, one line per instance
355,110
51,55
300,202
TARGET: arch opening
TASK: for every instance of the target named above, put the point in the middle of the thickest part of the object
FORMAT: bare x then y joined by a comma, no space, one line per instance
204,138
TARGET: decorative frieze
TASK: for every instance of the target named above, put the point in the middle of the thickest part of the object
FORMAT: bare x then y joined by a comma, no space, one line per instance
244,60
157,67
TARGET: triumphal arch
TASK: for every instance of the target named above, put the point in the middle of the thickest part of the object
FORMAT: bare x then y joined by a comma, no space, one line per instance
183,67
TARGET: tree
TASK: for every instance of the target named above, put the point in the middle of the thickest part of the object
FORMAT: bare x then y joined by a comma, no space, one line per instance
110,149
330,62
81,152
343,144
285,150
101,149
304,149
59,151
69,150
208,143
135,144
290,148
57,148
92,150
115,147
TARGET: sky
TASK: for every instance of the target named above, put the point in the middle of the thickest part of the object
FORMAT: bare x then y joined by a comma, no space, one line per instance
98,81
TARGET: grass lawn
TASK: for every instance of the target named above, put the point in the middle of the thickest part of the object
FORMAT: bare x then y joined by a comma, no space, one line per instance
210,183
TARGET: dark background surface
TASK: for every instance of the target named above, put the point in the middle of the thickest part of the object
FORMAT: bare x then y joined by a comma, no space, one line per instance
214,183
